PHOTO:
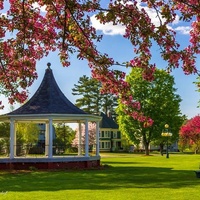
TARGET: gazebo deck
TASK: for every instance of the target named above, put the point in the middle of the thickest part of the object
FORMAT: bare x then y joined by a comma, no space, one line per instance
56,162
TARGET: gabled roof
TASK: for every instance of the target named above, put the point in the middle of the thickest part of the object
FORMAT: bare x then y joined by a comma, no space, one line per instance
107,122
48,99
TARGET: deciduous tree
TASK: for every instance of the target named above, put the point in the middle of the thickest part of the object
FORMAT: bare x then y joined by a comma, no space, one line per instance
4,130
158,101
4,137
27,135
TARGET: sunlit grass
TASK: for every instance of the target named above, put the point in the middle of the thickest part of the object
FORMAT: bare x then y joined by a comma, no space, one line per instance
124,176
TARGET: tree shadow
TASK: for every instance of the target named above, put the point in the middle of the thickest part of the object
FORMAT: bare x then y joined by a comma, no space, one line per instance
108,178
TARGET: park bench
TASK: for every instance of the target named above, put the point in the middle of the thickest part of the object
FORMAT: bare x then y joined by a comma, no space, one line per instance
197,173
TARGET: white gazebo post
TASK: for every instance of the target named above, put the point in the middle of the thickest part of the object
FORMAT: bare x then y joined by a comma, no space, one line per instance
50,138
47,139
15,140
12,138
86,139
97,138
79,138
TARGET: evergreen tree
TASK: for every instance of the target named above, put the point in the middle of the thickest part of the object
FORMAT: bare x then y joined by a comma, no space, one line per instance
91,99
64,136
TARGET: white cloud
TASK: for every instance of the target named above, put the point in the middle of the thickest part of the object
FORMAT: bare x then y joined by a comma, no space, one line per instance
183,29
153,16
108,28
176,21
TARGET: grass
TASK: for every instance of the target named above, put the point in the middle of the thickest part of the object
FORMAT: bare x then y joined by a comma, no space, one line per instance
124,177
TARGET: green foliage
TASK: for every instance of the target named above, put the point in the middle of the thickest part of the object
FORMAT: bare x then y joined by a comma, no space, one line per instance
4,137
197,83
64,135
4,130
27,134
91,100
4,145
158,100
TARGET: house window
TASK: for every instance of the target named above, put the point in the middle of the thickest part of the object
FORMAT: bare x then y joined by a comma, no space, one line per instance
101,145
107,145
107,134
114,134
102,134
104,145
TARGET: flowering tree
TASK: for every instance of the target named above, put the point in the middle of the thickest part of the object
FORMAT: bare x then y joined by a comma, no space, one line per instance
91,134
190,133
27,34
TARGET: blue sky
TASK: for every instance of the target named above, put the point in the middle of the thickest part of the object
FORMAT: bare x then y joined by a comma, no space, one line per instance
116,46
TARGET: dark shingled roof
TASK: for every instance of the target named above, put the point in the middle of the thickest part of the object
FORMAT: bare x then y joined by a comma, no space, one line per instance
107,122
48,99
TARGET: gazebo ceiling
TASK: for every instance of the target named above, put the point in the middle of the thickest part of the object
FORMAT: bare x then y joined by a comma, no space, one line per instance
49,101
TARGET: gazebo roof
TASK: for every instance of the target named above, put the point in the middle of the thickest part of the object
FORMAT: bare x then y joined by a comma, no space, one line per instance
48,100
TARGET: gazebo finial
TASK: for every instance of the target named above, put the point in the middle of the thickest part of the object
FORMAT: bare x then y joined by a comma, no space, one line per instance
48,65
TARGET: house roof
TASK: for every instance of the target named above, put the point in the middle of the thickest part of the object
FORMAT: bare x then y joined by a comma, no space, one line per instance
107,122
48,99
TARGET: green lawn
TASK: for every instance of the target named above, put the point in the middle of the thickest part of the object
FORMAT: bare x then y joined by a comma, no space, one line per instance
124,177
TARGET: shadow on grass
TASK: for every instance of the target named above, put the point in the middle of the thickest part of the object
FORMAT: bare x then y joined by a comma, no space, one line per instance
122,163
108,178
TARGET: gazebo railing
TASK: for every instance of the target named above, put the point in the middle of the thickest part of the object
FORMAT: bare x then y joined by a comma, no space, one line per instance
35,150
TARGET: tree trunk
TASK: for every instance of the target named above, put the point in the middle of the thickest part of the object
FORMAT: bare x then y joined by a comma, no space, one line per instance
146,147
161,148
146,144
196,150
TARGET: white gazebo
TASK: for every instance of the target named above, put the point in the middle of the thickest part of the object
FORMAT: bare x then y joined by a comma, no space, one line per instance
49,105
